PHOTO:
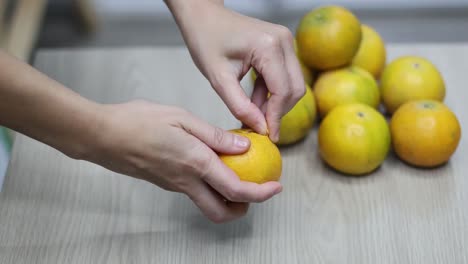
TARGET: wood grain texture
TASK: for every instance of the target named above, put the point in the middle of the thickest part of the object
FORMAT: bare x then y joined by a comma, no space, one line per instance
57,210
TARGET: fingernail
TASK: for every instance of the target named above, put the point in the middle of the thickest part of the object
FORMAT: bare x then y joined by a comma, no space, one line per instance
241,141
264,129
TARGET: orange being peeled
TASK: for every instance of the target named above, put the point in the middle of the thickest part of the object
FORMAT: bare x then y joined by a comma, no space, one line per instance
346,85
425,133
253,75
328,37
260,164
371,55
354,139
410,78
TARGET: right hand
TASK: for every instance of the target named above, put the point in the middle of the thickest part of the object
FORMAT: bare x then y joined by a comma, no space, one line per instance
175,150
225,44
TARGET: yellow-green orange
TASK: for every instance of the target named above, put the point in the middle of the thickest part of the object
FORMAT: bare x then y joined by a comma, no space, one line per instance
354,139
260,164
296,124
410,78
343,86
371,55
328,37
306,71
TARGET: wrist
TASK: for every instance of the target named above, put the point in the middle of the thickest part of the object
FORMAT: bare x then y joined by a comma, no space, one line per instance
85,133
186,12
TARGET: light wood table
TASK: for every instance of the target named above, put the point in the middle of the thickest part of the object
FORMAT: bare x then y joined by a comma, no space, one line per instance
57,210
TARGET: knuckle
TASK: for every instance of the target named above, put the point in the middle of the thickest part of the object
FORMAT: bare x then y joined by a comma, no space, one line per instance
218,217
233,194
268,40
284,33
179,111
299,93
182,115
202,163
173,110
219,136
240,112
286,94
196,162
219,80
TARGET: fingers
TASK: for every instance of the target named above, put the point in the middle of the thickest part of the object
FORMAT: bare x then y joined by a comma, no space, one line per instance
213,171
213,205
240,105
276,79
228,184
293,67
260,93
216,138
281,71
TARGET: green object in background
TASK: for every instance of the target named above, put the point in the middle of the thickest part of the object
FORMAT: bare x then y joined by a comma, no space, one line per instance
6,139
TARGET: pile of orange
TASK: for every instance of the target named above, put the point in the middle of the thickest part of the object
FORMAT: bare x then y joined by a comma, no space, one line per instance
344,63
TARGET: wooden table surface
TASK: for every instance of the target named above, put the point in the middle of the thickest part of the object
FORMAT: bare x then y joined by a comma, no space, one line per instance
57,210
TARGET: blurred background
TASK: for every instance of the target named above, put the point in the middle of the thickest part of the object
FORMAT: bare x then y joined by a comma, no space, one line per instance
148,22
29,25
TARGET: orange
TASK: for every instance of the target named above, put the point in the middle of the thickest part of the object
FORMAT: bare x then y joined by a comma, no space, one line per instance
354,139
410,78
306,71
345,85
425,133
296,124
260,164
371,55
328,37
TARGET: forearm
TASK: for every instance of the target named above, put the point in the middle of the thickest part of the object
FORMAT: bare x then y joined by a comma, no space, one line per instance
189,12
175,5
37,106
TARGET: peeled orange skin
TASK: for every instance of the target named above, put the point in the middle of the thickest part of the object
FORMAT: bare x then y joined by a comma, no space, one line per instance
410,78
371,55
345,85
354,139
328,37
296,124
261,163
425,133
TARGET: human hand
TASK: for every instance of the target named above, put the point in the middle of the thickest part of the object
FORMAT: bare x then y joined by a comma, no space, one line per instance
224,45
175,150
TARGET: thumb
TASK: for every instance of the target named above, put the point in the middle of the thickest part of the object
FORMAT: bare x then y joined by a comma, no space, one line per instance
216,138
